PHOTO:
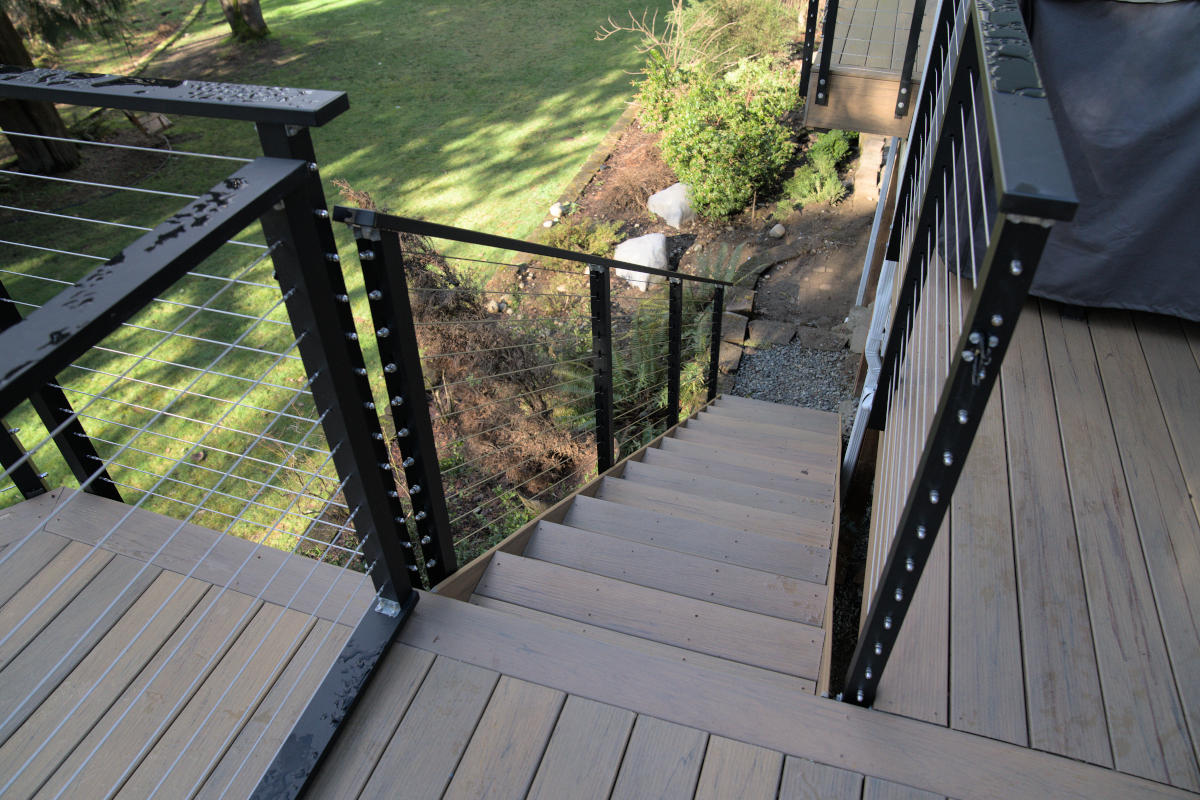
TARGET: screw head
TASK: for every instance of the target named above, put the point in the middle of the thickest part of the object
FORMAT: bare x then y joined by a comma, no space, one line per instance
360,371
397,401
887,623
430,563
400,434
408,462
879,648
426,539
899,594
366,255
383,333
414,489
419,516
909,566
997,320
334,258
968,356
859,695
321,213
921,532
993,341
352,336
975,338
368,405
934,497
947,458
820,95
962,416
389,368
867,673
1016,267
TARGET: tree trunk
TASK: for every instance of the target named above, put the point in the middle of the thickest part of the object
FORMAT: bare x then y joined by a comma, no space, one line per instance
27,116
245,19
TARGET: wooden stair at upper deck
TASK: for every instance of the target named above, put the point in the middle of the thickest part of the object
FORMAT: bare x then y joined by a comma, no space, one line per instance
713,547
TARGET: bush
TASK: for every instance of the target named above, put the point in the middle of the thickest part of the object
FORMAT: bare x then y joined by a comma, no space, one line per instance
583,236
742,28
817,181
725,137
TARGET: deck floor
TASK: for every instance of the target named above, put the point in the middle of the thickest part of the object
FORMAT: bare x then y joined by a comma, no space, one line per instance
873,34
1060,609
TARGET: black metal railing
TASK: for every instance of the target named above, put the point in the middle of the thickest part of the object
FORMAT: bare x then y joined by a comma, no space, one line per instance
982,181
536,378
872,41
148,363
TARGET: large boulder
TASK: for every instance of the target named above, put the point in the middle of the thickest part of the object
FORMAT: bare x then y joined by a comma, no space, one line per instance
733,327
647,251
673,205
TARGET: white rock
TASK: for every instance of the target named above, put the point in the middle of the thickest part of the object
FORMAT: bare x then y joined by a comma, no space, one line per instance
777,232
556,210
647,251
673,205
548,223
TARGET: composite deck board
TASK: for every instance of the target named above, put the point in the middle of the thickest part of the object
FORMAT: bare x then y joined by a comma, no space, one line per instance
985,635
717,630
438,724
503,755
817,491
778,413
24,558
718,512
1062,683
728,491
662,761
876,789
134,722
733,670
179,761
65,641
736,769
62,720
792,440
248,756
820,463
1159,598
584,753
1176,378
678,573
732,458
40,600
1145,720
277,577
880,745
366,733
808,780
794,559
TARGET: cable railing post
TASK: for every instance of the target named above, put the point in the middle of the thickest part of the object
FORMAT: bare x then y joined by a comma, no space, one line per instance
28,480
831,10
810,39
714,342
602,366
384,276
310,275
54,409
903,101
675,348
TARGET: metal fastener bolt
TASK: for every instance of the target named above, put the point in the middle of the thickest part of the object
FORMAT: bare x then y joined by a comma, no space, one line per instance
375,294
406,545
397,401
386,467
400,520
903,90
408,462
419,516
377,436
334,258
403,432
352,336
867,673
909,566
899,594
887,623
859,695
414,489
879,648
431,563
360,371
997,320
312,166
368,405
343,298
934,496
1016,267
426,539
366,255
900,104
947,458
321,213
975,338
383,333
394,494
412,567
962,416
821,81
921,532
981,373
389,368
820,95
993,341
968,356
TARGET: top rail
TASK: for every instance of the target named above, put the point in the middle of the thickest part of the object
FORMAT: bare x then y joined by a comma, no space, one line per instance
276,104
389,222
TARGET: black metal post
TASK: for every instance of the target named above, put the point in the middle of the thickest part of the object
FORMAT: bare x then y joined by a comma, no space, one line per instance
831,9
384,276
310,275
675,348
52,406
1004,284
714,342
602,368
903,101
810,40
26,477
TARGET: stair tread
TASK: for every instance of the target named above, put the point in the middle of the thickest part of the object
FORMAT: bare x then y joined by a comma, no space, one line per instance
808,488
791,558
765,428
697,446
728,491
706,509
755,639
635,644
821,460
678,573
792,416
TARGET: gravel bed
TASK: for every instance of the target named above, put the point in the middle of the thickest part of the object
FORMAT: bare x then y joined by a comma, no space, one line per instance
797,376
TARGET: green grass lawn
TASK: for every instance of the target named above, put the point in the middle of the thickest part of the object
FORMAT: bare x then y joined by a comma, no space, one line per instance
469,113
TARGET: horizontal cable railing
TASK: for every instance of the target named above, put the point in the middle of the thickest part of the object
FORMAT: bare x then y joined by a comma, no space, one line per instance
192,364
982,181
536,374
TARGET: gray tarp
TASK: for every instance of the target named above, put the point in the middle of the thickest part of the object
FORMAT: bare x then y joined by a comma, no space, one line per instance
1124,85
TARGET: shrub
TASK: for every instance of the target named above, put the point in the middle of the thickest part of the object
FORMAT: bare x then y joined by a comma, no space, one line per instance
725,137
817,181
593,238
742,28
